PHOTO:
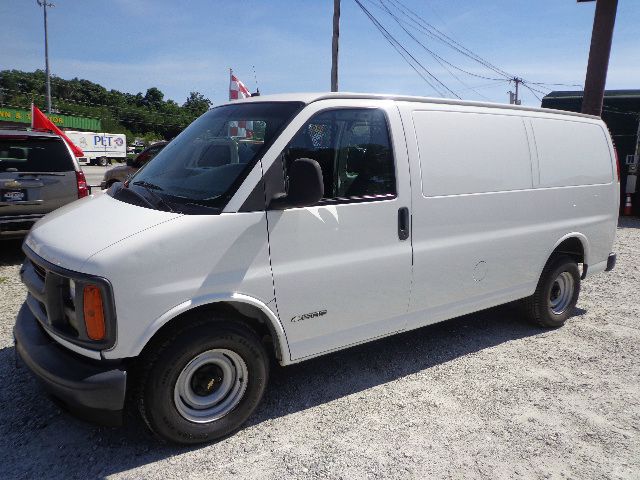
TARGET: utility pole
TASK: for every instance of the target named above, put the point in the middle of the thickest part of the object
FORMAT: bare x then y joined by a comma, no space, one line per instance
514,98
44,5
334,45
601,37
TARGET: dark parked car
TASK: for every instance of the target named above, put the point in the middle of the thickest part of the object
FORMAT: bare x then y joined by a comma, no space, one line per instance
38,173
122,172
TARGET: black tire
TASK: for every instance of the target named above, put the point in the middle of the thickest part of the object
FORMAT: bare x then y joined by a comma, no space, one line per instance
103,161
560,269
164,363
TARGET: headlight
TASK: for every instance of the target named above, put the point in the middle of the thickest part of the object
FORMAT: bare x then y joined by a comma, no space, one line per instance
72,290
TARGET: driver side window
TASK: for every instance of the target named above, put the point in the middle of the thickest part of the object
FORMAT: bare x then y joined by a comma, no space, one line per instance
353,149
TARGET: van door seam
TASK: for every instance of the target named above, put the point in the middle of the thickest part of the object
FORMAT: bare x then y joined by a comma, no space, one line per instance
273,280
406,149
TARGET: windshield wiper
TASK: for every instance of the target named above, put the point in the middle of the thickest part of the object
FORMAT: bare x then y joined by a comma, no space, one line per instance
150,187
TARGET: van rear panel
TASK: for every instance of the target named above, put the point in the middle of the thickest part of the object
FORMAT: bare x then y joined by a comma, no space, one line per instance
571,153
495,199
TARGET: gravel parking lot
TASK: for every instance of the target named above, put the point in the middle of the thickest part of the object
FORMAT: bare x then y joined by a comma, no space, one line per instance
481,396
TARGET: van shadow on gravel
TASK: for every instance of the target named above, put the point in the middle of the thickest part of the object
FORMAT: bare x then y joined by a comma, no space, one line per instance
37,439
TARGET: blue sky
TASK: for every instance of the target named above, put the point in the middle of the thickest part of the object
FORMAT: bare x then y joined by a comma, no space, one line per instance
185,45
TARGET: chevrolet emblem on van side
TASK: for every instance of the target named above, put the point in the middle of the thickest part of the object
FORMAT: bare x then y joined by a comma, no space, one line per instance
306,316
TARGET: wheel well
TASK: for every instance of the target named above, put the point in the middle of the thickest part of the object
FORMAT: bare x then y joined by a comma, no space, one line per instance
247,314
572,247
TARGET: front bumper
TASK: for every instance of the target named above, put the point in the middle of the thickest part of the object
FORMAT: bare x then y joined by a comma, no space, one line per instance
90,389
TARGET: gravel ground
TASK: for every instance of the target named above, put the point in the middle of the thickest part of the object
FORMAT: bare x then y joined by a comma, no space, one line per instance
481,396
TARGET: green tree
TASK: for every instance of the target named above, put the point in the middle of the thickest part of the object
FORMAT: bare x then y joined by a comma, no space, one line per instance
197,103
153,98
135,115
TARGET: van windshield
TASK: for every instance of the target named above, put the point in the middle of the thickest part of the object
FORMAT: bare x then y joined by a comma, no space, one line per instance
207,162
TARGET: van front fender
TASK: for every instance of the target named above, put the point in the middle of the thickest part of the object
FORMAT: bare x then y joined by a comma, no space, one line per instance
274,325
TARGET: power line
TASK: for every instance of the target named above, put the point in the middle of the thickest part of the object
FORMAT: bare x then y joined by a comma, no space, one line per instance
557,84
486,85
526,84
532,91
423,32
398,47
433,31
437,57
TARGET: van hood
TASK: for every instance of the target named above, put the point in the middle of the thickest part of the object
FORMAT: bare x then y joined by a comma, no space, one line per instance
72,234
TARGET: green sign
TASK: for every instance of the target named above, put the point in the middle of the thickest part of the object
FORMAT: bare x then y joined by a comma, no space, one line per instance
61,121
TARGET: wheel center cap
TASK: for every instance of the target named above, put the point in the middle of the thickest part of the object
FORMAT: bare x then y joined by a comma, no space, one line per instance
206,380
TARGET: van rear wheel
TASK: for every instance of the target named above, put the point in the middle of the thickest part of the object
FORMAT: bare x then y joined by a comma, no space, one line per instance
556,294
203,382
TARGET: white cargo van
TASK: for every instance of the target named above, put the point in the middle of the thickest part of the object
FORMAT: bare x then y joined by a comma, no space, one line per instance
348,218
99,148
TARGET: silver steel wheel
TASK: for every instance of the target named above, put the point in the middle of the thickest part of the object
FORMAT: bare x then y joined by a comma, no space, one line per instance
561,293
210,385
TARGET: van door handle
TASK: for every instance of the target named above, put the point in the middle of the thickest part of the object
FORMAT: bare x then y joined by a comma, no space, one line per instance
403,223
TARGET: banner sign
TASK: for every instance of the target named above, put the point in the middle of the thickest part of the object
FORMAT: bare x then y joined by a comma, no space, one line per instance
60,121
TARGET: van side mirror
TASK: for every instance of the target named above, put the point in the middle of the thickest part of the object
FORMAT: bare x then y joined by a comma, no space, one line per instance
306,186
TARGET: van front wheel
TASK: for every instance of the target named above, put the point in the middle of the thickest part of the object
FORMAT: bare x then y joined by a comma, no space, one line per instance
203,383
556,294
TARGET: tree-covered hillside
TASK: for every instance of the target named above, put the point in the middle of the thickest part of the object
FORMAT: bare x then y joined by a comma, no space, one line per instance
141,115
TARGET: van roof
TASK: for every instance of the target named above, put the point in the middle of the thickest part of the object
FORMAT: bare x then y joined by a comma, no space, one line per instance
314,97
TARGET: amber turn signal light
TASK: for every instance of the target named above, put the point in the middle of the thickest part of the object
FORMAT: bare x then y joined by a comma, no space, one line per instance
93,313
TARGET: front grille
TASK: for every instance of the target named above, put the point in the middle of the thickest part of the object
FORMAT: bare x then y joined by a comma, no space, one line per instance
41,272
49,299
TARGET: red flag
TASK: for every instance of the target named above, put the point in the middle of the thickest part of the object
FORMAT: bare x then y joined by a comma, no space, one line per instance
39,121
237,89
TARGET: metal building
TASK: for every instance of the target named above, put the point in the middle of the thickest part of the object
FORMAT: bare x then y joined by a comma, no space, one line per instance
621,113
